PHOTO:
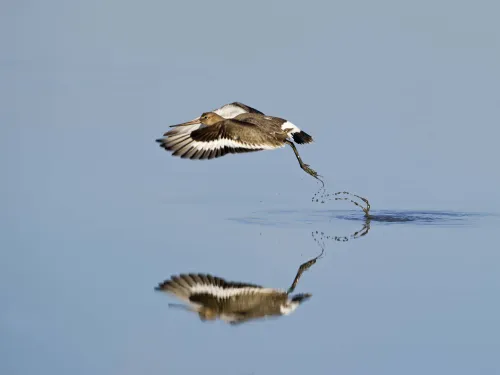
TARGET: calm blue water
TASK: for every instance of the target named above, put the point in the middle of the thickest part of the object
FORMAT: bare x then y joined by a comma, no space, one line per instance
402,101
406,297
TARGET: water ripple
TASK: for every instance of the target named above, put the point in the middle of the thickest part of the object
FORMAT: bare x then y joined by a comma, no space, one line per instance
286,217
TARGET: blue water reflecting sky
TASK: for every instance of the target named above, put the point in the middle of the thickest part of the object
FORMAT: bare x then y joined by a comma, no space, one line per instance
402,100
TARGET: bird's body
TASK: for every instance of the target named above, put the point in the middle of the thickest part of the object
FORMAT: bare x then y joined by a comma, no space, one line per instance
281,128
213,297
233,128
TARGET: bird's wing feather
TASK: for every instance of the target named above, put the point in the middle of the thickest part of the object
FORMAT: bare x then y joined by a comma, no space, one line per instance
269,122
200,283
227,136
183,129
209,290
248,108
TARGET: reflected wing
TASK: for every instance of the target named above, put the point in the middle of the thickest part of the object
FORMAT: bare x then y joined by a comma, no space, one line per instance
206,289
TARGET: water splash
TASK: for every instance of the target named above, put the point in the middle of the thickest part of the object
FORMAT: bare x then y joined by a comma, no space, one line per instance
322,196
321,237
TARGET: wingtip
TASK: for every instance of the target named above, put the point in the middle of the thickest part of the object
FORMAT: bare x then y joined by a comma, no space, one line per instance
161,286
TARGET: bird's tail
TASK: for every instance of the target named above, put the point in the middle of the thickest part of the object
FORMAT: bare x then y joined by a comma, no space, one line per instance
302,137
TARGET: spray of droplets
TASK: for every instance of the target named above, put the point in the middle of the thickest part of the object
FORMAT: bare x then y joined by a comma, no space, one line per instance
320,237
322,196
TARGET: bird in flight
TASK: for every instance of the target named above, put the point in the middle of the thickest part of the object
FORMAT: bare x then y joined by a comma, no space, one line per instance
234,128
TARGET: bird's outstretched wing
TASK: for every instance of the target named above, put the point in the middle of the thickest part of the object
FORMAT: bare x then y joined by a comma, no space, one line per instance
213,292
185,286
227,136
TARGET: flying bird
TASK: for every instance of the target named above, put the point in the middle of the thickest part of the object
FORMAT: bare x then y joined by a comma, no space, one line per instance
234,128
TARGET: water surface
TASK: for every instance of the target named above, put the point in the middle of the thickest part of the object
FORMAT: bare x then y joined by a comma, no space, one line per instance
402,102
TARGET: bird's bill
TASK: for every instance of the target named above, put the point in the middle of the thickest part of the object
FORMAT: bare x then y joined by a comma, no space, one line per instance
179,306
192,122
183,307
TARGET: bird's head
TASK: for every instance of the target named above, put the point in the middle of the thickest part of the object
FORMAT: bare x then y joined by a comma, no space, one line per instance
207,314
210,118
207,118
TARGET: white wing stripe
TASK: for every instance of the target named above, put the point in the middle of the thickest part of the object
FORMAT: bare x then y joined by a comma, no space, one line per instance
221,143
221,292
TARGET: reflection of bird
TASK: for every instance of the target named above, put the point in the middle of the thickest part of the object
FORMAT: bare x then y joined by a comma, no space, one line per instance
320,237
234,302
214,134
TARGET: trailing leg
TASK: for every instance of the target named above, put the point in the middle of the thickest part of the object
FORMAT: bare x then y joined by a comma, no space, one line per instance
303,165
303,268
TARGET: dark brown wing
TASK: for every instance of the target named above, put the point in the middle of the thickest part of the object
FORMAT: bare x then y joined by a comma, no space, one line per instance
214,292
268,122
228,136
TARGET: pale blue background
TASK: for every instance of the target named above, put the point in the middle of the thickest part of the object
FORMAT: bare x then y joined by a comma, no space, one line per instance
403,100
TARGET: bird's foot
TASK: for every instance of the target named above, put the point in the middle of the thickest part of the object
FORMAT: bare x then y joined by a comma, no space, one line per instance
312,172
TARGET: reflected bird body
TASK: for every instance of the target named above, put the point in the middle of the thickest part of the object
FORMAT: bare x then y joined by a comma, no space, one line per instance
234,128
234,302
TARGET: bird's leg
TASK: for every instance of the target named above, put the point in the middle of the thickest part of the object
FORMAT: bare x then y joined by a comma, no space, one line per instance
303,165
303,268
